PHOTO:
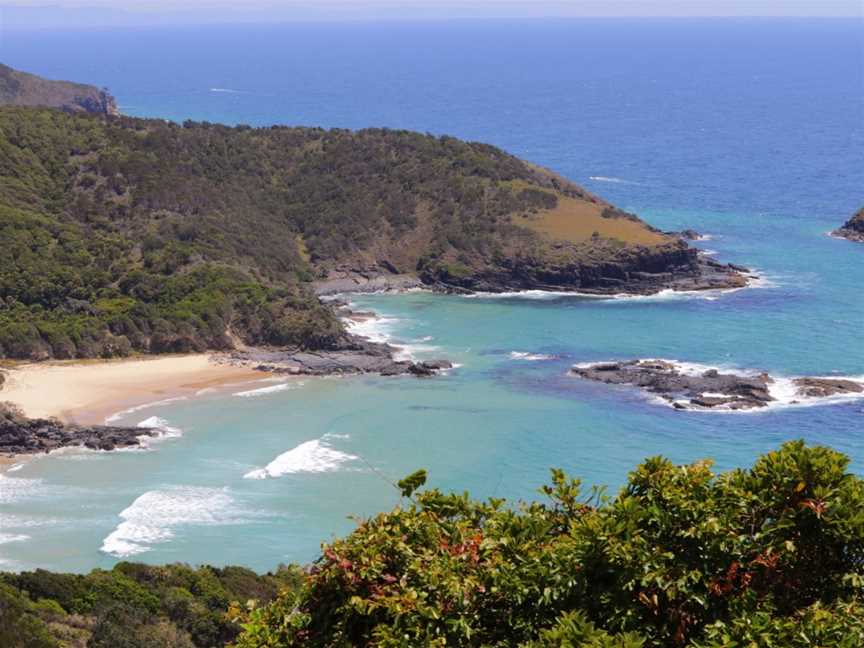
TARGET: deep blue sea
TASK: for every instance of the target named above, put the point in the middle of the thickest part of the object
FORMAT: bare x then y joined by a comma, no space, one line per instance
749,131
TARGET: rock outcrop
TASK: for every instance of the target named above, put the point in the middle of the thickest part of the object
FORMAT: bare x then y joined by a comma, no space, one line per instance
20,435
365,280
853,229
686,388
360,356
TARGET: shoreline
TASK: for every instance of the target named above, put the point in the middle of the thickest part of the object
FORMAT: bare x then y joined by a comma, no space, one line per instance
88,392
752,280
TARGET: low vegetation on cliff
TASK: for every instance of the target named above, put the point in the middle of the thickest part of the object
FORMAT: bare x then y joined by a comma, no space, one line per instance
770,556
123,234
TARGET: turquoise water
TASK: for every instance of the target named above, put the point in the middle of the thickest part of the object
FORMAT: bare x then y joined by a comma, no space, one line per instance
754,138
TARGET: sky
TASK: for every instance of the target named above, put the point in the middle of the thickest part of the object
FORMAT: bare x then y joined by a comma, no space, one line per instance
56,13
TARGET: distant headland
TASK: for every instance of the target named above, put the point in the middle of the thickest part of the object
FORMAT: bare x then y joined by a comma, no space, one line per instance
24,89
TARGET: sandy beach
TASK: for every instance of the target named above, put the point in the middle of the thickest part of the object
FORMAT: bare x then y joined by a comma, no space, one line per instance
88,392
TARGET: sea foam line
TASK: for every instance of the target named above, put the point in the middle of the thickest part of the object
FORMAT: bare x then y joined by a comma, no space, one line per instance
137,408
272,389
613,180
754,280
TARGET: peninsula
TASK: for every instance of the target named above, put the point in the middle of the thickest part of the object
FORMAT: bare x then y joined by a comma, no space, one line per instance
125,235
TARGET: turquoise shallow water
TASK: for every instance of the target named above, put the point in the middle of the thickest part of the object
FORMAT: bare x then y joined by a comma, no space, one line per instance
753,138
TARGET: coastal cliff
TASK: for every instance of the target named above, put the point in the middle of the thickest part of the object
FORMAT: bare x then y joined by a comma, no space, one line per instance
23,89
853,229
131,235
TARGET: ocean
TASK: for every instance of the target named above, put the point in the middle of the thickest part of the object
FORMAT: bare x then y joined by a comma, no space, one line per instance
749,131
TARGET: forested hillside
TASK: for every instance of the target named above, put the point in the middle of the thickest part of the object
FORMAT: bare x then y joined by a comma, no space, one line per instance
123,234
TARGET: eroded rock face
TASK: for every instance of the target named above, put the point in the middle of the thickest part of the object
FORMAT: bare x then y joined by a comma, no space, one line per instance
20,435
686,388
640,271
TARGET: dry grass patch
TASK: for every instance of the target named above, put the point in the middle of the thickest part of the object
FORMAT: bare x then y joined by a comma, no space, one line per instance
577,221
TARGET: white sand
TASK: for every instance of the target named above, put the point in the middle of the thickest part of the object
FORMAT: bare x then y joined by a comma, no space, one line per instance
88,392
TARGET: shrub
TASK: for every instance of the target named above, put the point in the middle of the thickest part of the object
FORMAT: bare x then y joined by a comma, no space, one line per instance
769,556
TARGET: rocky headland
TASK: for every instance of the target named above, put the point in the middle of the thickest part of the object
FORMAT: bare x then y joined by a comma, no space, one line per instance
699,388
210,253
20,435
23,89
853,229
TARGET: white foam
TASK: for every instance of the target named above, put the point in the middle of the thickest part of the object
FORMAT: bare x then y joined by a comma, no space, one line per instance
613,180
667,294
15,489
375,329
272,389
309,457
411,351
123,413
154,517
228,90
783,390
380,329
164,431
533,357
6,538
532,294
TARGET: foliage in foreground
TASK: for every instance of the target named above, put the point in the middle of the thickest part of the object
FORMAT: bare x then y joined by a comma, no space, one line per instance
130,606
770,556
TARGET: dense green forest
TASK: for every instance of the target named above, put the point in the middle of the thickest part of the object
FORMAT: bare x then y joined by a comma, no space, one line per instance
126,235
770,556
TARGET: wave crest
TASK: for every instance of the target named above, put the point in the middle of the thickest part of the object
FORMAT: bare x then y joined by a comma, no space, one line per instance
310,457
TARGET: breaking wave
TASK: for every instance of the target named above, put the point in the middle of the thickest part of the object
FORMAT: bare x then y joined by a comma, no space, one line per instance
155,516
157,423
309,457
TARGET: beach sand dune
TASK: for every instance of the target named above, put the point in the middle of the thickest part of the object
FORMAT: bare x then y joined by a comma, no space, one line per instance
88,392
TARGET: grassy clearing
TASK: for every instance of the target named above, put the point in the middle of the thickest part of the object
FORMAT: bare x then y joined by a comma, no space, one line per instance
576,221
